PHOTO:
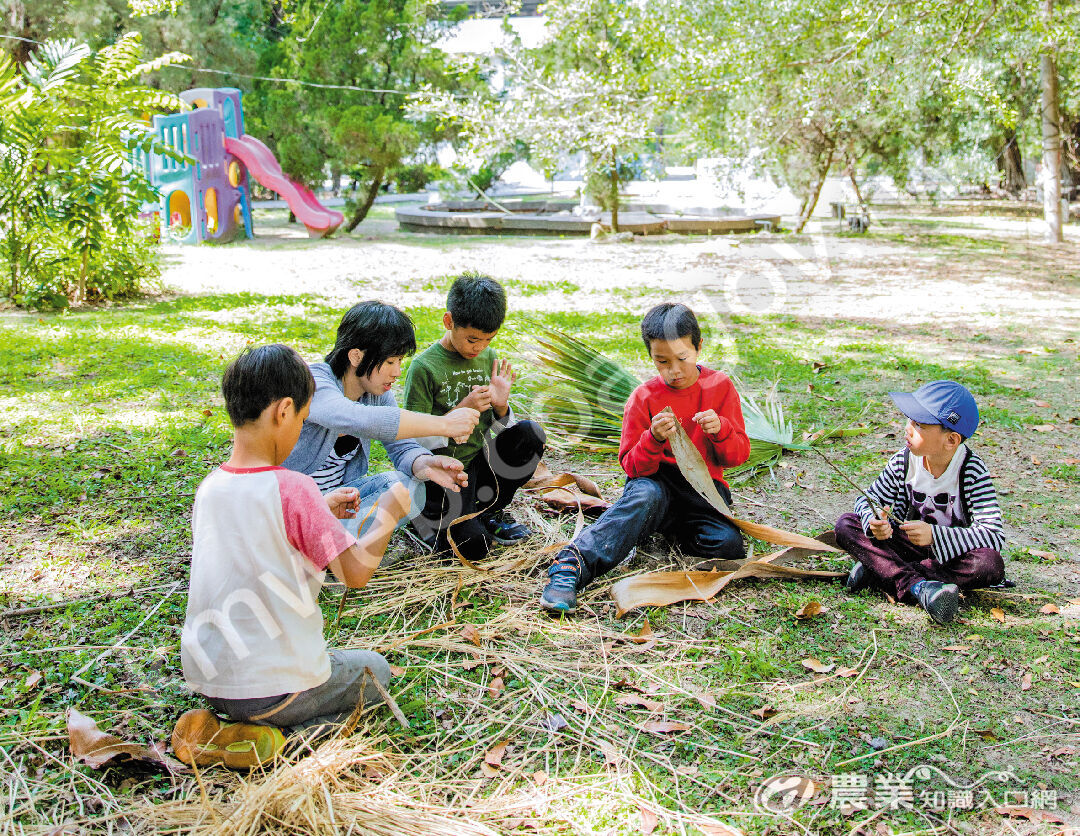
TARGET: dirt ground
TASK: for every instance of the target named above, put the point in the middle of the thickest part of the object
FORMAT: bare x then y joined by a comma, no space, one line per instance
1008,276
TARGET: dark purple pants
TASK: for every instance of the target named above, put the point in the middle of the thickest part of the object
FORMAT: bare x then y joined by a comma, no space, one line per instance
897,563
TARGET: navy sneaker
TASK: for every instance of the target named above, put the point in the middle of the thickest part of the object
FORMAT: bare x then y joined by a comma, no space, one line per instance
858,579
940,600
560,594
504,530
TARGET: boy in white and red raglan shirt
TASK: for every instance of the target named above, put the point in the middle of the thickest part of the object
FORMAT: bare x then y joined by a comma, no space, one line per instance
657,497
263,538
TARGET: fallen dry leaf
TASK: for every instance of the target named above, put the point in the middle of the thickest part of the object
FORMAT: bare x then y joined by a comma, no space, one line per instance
488,770
1044,428
809,610
764,713
634,699
998,614
707,700
494,755
957,648
396,670
816,666
495,687
1049,609
471,634
539,777
471,664
578,705
648,820
1041,404
611,754
847,673
664,727
1025,682
1029,814
1043,554
96,748
32,680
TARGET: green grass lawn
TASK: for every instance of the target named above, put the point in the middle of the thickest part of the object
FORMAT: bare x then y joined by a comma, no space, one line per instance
112,417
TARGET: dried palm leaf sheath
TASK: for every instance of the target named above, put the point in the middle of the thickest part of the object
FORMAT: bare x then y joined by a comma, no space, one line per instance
660,589
694,469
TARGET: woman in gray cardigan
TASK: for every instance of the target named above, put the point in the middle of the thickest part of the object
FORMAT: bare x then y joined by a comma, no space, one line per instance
353,405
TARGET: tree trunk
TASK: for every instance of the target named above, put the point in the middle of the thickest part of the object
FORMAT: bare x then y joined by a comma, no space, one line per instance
16,251
855,182
811,200
614,196
372,193
80,292
1012,166
292,216
1051,131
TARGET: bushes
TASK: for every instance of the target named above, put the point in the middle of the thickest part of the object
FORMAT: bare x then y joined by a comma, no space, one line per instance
72,127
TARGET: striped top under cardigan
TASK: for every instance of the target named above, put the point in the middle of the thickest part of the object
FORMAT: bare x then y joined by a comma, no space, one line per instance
978,501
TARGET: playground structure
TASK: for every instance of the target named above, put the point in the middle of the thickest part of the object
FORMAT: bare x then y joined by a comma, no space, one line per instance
209,200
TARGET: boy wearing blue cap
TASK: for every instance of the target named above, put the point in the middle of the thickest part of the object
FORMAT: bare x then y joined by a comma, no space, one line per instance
938,528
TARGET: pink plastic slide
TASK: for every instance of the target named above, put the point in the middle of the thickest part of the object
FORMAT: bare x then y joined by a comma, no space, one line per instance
262,163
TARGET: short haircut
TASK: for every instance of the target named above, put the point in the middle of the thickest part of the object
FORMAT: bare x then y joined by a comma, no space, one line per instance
261,376
477,301
380,331
670,321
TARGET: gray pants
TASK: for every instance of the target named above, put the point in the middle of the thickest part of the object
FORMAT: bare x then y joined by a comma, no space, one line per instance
317,709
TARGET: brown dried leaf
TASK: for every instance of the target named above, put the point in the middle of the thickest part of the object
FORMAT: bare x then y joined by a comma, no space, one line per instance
1029,814
1049,609
643,702
764,713
707,700
495,687
957,648
1044,428
1041,404
471,634
611,754
1043,554
471,664
494,755
539,777
578,705
847,673
648,820
32,680
1025,681
816,666
396,670
96,748
664,727
809,610
998,614
488,770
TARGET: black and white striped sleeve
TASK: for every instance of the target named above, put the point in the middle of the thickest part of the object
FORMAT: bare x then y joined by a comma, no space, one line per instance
886,489
984,530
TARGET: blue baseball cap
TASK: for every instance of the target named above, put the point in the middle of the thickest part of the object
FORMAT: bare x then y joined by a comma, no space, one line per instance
942,402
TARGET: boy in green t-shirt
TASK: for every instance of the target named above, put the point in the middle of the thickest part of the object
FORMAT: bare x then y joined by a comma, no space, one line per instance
462,370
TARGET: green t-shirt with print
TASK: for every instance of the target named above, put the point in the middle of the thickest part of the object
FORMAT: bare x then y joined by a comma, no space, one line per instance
438,380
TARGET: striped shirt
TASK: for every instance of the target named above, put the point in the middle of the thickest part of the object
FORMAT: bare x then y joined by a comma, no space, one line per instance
332,472
980,525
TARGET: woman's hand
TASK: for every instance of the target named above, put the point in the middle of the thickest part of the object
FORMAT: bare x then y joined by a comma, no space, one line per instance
343,502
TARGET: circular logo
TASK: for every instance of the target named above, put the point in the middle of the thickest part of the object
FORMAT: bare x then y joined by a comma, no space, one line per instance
783,793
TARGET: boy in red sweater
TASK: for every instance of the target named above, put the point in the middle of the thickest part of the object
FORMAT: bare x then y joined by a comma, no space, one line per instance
656,496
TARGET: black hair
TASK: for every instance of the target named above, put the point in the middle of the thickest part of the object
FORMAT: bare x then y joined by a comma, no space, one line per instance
477,301
670,321
264,375
380,331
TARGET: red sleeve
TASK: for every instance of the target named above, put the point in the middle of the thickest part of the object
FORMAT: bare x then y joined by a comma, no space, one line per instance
731,446
639,451
310,526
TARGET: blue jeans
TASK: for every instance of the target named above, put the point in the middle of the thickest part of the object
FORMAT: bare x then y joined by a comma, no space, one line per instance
374,485
663,503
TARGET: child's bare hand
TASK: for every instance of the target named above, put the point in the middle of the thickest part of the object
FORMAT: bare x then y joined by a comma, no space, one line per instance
343,502
479,399
709,421
460,423
880,527
918,532
442,470
663,426
502,378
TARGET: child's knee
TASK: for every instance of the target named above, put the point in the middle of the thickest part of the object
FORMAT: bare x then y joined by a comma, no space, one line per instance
717,542
848,528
